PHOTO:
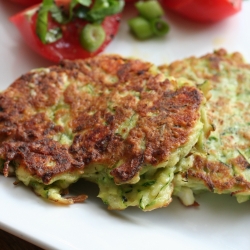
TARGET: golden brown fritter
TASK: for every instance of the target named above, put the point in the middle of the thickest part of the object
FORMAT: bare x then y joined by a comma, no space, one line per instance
224,168
107,112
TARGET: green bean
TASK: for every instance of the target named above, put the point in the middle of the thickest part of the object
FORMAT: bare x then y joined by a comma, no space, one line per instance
92,37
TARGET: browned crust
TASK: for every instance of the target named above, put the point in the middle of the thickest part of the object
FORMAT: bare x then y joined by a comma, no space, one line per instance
217,176
213,60
122,89
164,133
37,156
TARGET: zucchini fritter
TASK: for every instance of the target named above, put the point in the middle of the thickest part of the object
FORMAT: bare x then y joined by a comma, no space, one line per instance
225,165
115,121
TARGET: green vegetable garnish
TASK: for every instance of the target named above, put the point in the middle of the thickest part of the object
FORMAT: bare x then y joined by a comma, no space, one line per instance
140,27
92,36
82,12
159,27
73,4
82,9
148,23
42,20
103,8
56,13
149,9
53,35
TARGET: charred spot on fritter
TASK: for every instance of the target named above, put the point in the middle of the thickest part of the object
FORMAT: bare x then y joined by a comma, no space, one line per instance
41,158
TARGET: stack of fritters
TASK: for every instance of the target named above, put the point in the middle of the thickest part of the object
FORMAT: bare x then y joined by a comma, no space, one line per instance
224,166
140,132
115,121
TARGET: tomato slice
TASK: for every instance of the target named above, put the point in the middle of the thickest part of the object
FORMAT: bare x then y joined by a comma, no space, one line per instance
204,10
68,47
34,2
27,2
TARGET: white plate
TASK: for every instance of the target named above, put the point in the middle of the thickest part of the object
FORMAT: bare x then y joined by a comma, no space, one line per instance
219,223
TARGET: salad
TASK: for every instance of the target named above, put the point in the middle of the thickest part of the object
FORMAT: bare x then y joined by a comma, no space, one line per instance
77,29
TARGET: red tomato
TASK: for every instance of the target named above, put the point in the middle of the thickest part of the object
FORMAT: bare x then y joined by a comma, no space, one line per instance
204,10
63,3
34,2
27,2
68,47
